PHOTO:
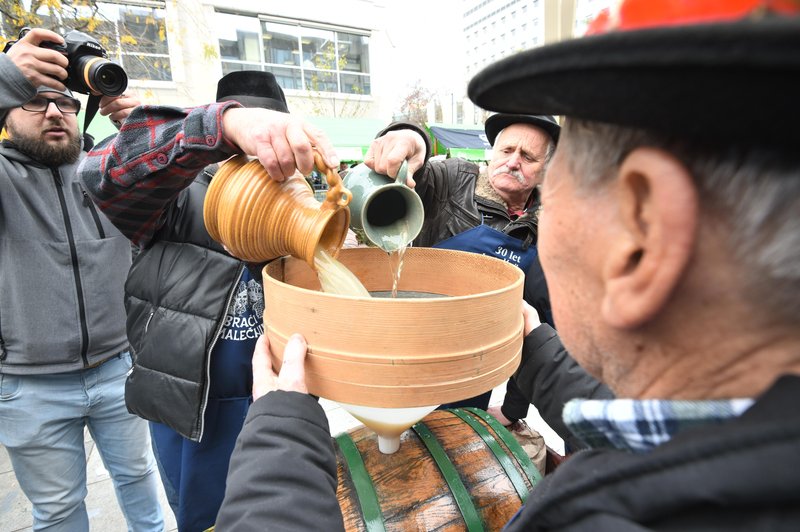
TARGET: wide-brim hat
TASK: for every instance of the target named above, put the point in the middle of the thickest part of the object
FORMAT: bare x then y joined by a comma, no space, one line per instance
252,88
498,122
731,82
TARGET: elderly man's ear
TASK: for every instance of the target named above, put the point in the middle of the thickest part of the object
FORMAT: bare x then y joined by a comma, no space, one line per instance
657,227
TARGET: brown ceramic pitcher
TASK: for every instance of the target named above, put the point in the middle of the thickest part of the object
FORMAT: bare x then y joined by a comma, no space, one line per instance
259,219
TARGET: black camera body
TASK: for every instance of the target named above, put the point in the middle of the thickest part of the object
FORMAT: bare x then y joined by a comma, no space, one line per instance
89,70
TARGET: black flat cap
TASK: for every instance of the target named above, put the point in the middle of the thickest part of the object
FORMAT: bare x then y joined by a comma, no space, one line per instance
497,122
252,88
731,81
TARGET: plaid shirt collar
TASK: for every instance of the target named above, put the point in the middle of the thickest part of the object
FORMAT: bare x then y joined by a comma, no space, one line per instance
639,426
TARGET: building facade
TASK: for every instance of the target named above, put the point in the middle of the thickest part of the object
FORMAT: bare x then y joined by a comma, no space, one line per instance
494,29
344,59
333,59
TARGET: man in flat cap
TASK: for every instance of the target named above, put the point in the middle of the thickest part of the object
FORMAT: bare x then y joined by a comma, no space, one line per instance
489,210
474,209
669,239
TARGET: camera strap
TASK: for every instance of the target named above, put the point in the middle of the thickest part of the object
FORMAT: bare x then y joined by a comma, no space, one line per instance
92,105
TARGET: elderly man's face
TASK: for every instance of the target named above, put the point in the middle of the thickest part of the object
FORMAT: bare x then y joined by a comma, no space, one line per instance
518,158
49,136
572,236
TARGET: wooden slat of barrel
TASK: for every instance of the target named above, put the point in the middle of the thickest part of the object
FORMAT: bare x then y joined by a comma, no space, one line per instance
411,490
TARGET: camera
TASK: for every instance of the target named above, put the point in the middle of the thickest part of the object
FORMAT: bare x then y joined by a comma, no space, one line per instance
89,70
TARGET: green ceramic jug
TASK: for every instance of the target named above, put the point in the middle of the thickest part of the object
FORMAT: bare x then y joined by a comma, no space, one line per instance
383,209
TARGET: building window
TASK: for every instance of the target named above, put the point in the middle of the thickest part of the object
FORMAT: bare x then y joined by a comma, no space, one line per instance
301,58
134,36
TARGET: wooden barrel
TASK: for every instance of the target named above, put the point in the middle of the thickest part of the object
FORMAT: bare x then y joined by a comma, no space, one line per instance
456,469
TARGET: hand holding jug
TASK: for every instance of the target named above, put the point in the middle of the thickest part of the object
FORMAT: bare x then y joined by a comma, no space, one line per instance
385,210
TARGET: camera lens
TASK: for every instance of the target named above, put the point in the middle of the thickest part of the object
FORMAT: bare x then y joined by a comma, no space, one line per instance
102,76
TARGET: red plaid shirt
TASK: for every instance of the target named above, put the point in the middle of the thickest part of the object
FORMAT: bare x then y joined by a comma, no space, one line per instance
134,176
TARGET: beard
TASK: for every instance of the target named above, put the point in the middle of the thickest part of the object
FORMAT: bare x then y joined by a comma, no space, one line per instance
48,153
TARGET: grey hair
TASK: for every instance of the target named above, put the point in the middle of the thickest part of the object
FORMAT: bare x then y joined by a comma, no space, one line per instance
753,192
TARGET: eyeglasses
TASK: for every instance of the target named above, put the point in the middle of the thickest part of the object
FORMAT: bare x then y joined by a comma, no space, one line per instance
66,105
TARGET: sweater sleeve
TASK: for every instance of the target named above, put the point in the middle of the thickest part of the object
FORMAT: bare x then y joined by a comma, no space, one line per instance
549,377
134,176
282,472
15,89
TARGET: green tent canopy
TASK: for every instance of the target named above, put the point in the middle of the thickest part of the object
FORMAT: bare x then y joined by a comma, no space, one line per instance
351,137
460,140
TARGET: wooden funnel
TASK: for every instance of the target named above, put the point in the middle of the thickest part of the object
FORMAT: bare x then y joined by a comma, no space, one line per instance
404,352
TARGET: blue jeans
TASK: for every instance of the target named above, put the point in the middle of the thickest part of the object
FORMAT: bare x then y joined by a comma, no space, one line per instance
42,419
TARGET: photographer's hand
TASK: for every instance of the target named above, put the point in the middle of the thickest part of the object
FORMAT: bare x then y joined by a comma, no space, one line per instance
117,108
283,143
42,66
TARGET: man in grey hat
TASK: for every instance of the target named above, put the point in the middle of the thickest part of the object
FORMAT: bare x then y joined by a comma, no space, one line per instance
63,348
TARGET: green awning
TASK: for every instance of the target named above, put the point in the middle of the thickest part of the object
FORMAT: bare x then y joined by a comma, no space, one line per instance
351,137
465,141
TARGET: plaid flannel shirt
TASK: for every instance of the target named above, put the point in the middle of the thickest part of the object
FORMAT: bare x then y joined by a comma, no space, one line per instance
134,176
639,426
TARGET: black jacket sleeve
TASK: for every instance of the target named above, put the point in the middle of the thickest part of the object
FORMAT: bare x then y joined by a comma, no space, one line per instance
549,377
515,403
282,474
536,293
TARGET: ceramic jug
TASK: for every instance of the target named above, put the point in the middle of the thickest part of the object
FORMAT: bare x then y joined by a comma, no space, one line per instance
384,209
259,219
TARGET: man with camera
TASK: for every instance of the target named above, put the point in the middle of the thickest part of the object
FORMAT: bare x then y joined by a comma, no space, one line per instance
63,348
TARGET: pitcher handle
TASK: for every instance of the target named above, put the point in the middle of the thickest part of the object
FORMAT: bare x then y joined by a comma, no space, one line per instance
338,196
402,174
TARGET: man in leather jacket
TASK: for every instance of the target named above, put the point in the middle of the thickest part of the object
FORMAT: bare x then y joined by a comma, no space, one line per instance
490,210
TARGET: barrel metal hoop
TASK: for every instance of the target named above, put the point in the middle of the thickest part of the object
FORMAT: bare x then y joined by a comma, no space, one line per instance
450,474
513,445
502,457
365,489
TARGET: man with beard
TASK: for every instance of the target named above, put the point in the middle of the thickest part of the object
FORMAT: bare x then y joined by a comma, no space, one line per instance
63,348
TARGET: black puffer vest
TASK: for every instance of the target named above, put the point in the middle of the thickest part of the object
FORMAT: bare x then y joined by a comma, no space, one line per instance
176,296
